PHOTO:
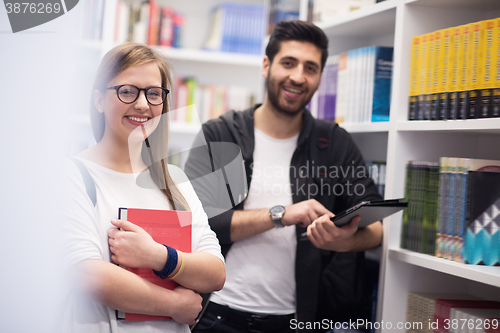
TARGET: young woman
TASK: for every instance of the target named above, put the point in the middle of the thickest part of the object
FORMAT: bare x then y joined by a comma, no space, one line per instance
129,98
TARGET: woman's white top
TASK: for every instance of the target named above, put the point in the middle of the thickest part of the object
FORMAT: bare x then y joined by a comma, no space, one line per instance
86,237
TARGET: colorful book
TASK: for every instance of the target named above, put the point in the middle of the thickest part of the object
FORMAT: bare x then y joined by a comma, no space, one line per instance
414,78
169,227
442,310
482,237
444,74
435,84
487,80
422,80
495,94
474,71
464,68
380,96
455,71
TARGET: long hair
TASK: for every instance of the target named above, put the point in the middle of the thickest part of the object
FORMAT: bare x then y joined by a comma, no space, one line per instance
113,63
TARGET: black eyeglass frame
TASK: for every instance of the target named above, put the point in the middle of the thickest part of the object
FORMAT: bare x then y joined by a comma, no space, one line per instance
117,88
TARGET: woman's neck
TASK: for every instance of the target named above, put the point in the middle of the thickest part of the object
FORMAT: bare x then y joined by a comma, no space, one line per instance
118,157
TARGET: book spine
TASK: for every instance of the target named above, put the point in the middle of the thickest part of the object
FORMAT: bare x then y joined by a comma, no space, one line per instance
495,95
422,84
463,95
474,71
487,65
429,76
455,71
406,212
382,84
444,76
414,75
442,206
436,63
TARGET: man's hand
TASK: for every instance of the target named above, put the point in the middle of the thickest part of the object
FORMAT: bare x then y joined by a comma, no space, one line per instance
131,246
324,234
188,305
304,213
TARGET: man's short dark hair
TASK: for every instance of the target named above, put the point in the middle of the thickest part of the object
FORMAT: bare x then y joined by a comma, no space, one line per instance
297,30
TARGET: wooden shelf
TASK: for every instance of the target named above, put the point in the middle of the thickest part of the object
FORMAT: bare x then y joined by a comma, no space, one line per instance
484,274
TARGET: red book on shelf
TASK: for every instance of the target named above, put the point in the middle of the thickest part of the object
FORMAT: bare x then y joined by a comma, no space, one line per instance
443,308
169,227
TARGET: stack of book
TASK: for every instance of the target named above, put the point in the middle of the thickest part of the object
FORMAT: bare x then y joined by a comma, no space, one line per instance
355,86
439,313
419,219
237,28
148,23
465,223
280,10
454,73
194,102
376,171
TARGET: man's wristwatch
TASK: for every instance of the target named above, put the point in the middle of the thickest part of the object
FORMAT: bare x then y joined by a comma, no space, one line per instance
276,214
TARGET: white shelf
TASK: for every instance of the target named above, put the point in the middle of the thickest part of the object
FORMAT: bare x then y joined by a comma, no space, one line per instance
476,5
208,57
378,19
486,125
483,274
367,127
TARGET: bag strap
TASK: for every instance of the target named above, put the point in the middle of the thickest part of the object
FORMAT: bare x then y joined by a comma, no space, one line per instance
87,180
322,148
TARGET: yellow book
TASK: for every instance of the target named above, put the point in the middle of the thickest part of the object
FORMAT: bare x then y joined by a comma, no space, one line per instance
453,82
474,68
422,77
487,80
436,65
444,73
414,77
495,98
429,76
463,61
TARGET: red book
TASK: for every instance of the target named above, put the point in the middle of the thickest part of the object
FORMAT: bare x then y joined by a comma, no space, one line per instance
169,227
443,308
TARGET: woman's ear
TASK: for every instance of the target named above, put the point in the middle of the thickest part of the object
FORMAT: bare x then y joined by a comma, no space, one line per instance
98,101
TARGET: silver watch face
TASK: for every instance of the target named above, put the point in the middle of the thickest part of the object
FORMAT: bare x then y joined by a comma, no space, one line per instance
277,210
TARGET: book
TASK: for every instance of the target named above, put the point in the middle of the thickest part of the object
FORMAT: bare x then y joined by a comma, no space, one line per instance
487,81
414,78
482,237
379,99
342,82
475,320
464,68
422,77
455,70
435,84
327,92
444,74
495,94
475,68
442,310
166,227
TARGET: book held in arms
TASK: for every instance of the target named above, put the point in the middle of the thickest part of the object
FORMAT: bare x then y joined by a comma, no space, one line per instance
169,227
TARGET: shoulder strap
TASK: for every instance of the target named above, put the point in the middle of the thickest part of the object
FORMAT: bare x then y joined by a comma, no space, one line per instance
87,180
322,146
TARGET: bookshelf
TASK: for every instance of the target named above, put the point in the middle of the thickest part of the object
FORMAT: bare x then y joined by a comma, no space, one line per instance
231,69
389,23
393,23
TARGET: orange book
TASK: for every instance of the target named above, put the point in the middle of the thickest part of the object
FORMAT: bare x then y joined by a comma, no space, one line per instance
169,227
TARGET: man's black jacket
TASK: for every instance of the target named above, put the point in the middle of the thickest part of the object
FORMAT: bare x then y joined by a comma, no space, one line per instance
346,171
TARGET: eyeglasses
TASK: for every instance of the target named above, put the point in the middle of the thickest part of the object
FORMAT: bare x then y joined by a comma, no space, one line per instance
128,94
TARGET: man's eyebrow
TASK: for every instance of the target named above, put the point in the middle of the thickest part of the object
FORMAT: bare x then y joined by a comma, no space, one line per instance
310,63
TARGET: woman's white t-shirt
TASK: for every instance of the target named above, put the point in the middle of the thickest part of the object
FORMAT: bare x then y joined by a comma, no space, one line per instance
86,237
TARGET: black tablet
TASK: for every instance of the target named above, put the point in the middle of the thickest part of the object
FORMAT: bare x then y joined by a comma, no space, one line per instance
370,212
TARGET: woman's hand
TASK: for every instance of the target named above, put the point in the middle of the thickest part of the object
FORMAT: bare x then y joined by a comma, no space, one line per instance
131,246
188,305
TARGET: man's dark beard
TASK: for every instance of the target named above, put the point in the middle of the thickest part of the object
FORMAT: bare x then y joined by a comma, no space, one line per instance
273,98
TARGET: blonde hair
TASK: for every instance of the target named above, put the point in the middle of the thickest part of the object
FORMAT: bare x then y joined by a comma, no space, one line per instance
113,63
